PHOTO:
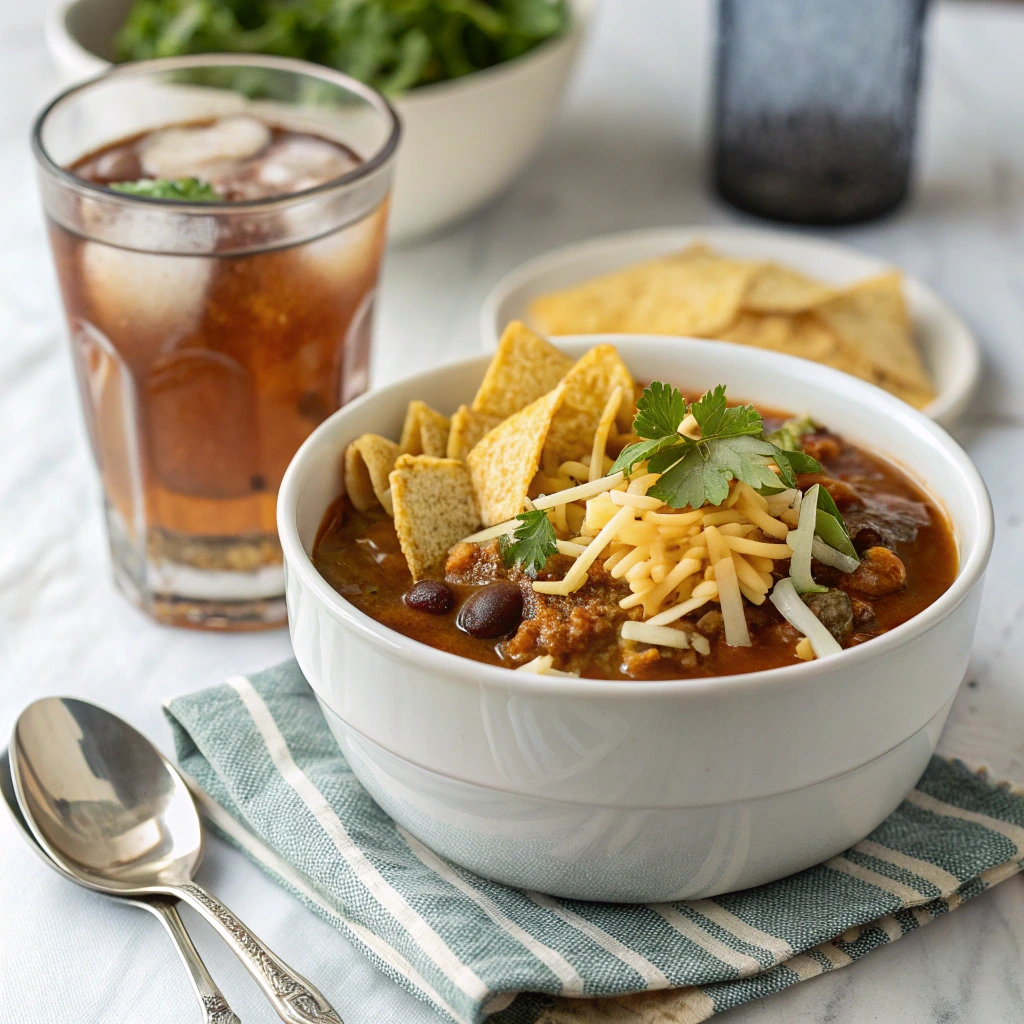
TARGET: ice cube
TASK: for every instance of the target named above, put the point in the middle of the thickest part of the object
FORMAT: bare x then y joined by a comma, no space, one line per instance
199,152
146,294
294,164
346,255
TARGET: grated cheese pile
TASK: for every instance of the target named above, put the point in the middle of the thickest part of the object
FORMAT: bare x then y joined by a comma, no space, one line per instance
675,561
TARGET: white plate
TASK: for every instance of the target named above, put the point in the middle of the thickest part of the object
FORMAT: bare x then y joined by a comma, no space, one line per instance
950,351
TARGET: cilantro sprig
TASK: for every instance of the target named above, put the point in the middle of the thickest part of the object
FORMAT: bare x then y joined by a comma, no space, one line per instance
531,544
188,190
697,471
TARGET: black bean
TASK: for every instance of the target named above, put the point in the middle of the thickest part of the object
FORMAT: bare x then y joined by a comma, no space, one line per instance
431,596
493,611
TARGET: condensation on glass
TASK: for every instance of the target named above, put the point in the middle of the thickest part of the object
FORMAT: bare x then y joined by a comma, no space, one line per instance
816,106
210,339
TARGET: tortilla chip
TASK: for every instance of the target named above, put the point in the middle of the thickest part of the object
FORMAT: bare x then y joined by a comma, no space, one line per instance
467,428
434,508
775,289
525,367
699,295
871,322
597,306
368,461
803,335
588,386
425,431
694,292
504,462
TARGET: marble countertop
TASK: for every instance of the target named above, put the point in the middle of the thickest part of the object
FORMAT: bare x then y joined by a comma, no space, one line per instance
626,152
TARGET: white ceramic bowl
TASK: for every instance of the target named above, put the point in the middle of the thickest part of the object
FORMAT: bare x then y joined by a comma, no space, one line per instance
463,141
639,791
950,351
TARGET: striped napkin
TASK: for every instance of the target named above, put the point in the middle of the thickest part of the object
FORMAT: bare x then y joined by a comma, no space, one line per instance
271,780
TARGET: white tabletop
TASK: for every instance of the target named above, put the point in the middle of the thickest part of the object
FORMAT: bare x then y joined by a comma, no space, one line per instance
627,151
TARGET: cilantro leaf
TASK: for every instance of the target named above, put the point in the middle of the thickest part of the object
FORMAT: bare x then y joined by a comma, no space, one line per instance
659,411
697,471
716,419
189,190
532,543
641,452
703,472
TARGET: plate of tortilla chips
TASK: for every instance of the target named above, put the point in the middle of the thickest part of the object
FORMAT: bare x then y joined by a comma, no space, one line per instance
784,292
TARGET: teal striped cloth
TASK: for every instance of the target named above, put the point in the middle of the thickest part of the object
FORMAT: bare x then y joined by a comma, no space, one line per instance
271,780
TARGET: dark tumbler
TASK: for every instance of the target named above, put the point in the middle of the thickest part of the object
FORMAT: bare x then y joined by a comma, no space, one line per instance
816,105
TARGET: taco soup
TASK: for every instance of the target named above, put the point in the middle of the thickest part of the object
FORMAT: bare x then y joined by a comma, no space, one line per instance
572,521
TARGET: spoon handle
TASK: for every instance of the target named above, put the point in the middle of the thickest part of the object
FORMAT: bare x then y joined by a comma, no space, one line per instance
295,999
215,1007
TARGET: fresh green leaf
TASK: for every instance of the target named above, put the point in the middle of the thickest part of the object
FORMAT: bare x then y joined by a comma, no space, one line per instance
702,474
792,462
659,411
833,533
697,471
716,419
831,527
789,434
532,543
186,190
801,462
641,452
393,45
827,504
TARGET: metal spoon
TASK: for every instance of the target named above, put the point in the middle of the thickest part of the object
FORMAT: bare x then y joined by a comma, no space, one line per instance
211,1000
110,810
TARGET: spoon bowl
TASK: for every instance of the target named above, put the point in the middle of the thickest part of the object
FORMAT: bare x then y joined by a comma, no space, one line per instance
104,797
114,813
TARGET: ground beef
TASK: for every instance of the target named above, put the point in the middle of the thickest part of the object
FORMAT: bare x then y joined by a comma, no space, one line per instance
639,659
834,611
711,624
822,446
880,572
863,615
571,629
474,564
845,496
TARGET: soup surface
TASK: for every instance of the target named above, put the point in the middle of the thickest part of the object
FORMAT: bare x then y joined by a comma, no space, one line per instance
908,558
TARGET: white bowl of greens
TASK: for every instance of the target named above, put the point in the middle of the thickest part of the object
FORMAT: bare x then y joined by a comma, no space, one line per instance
475,90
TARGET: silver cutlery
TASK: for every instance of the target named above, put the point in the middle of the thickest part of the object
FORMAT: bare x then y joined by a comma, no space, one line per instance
212,1002
114,813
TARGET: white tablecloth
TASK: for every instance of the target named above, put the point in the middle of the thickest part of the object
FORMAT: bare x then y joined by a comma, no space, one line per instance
627,151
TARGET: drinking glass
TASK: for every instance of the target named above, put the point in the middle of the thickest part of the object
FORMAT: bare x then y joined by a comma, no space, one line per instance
816,106
210,338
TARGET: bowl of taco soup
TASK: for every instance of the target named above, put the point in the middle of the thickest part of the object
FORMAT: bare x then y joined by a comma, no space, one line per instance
636,626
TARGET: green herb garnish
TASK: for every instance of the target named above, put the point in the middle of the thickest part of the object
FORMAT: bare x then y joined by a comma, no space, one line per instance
831,527
393,45
695,472
186,190
532,543
788,436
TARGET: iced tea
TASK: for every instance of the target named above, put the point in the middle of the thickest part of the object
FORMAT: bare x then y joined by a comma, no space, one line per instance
210,336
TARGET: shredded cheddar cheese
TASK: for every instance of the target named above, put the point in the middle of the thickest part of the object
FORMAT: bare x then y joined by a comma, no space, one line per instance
675,561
